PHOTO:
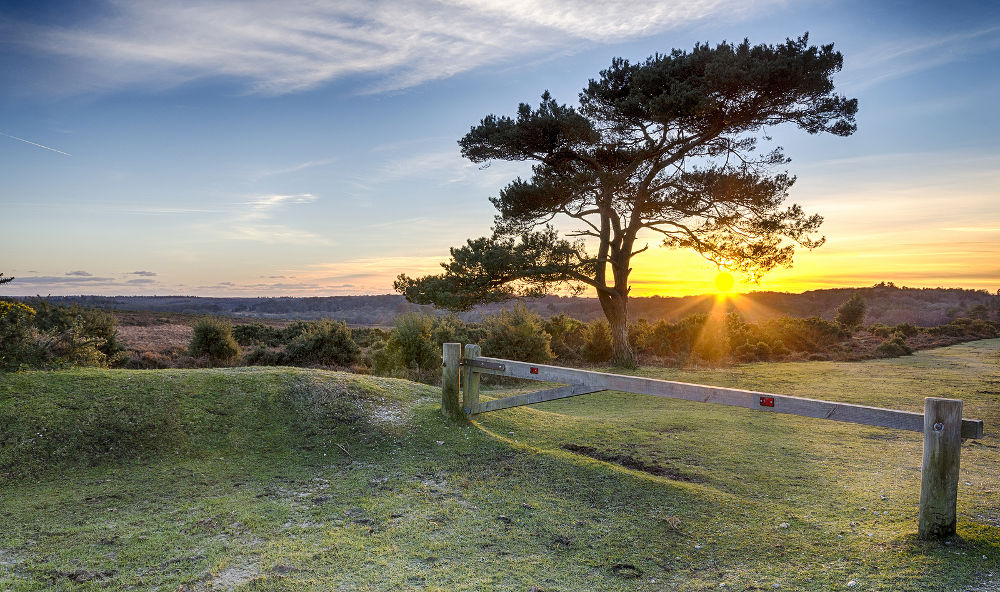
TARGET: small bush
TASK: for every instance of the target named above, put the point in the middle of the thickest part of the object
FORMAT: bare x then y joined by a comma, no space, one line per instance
367,336
761,352
79,329
410,345
324,342
257,334
213,338
597,342
263,356
516,334
566,336
880,330
640,334
894,347
17,344
907,329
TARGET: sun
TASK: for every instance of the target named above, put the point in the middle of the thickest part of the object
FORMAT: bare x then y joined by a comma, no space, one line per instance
724,282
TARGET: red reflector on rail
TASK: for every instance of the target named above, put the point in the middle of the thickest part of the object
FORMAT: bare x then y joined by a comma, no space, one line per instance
767,401
533,370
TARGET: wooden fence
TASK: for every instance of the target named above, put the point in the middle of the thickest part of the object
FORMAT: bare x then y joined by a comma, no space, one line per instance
941,422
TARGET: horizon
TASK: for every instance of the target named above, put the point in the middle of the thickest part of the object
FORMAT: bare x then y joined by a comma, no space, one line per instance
700,295
241,150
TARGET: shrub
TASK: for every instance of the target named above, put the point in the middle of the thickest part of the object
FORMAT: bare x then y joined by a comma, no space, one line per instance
367,336
214,338
75,345
802,335
880,330
597,342
411,344
257,334
907,329
894,347
80,330
640,334
677,339
761,352
516,334
851,314
17,344
324,342
566,336
263,356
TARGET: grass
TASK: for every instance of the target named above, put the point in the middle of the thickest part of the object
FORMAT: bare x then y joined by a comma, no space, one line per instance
290,479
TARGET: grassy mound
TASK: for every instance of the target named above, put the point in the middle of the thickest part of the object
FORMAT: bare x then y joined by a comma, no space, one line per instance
58,420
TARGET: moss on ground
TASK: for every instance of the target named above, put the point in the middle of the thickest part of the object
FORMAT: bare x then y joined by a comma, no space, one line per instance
288,479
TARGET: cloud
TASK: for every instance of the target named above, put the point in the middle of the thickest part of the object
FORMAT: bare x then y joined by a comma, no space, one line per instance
901,57
252,222
292,46
141,281
80,273
292,168
143,273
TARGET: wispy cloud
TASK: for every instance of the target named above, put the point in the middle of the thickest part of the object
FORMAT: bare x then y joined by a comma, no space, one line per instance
292,168
143,273
995,228
297,45
900,57
79,273
252,221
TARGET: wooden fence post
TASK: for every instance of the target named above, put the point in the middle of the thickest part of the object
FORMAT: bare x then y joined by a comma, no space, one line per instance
939,482
470,382
450,372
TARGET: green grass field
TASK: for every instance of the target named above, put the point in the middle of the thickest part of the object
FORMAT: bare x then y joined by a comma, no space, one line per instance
291,479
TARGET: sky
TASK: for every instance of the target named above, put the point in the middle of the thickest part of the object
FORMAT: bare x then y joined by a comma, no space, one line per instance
257,148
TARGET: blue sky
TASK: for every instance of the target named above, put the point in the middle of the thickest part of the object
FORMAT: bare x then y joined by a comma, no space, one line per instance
309,148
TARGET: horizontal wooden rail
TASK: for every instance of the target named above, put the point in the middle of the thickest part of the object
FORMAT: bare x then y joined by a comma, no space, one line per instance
600,381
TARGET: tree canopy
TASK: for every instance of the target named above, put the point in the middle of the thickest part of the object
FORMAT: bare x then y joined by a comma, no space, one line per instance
670,146
4,280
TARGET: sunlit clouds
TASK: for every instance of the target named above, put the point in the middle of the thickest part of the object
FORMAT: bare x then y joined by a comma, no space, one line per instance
292,46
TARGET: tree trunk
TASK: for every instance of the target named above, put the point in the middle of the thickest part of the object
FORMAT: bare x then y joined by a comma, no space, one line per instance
616,310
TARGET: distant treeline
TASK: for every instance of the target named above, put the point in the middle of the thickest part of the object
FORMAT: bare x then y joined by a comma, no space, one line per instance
887,304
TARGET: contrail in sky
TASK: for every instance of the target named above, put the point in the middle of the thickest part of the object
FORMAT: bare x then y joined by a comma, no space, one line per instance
34,144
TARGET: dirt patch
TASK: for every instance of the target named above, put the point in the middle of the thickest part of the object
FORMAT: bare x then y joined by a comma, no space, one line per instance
630,462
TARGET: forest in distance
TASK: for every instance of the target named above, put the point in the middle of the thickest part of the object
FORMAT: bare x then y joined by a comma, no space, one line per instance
887,304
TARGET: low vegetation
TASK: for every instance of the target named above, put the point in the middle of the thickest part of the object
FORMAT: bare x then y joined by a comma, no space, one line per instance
39,334
302,479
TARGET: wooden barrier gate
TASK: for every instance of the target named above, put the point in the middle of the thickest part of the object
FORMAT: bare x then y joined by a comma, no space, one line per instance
941,423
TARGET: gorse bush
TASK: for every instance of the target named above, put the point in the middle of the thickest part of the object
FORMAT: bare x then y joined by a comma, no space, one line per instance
77,335
894,347
516,334
597,342
213,338
17,332
45,335
258,334
566,336
326,342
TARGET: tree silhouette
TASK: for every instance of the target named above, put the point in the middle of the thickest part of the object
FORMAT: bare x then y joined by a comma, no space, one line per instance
668,146
4,280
